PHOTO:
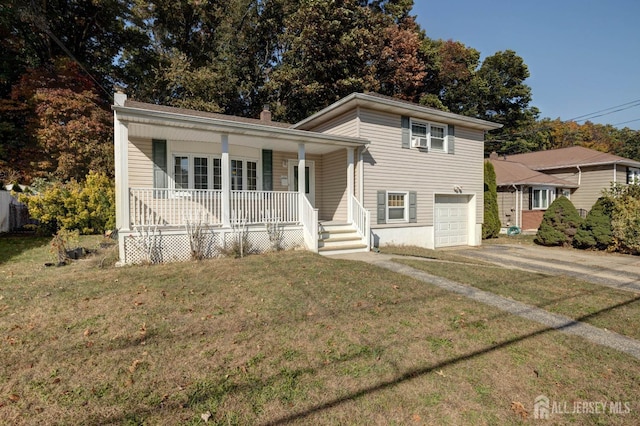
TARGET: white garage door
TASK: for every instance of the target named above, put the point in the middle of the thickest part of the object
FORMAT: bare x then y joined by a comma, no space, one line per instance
451,220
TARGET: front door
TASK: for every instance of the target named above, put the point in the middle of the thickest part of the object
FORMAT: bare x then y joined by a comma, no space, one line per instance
310,179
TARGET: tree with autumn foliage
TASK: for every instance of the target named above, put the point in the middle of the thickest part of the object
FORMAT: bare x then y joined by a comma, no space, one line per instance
67,127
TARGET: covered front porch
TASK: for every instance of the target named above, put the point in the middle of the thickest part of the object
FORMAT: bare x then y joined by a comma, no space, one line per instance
174,172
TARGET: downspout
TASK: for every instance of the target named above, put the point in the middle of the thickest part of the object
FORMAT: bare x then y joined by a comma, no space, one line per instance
361,174
579,175
615,173
521,203
516,194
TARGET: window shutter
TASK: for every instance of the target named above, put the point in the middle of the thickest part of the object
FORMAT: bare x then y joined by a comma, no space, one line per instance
451,142
413,207
406,132
159,155
382,207
530,198
267,170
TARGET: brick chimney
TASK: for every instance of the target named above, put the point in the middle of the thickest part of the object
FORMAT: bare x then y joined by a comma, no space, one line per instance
265,114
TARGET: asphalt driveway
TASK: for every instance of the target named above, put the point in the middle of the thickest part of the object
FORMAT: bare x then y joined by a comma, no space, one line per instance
608,269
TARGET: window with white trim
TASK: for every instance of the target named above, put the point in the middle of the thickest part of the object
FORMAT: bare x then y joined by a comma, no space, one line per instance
397,206
542,197
181,172
432,136
633,175
201,172
205,172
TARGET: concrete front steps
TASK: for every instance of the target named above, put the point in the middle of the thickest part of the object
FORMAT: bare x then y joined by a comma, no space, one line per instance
336,238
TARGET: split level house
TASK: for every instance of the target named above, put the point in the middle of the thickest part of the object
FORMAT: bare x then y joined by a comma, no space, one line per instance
528,183
366,171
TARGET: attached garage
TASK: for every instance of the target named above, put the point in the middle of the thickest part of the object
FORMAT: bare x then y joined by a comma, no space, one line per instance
451,220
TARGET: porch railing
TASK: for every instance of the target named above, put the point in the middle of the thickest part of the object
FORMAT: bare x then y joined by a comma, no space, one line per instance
361,217
264,206
309,221
174,207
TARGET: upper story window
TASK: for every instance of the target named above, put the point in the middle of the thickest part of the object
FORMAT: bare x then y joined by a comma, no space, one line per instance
633,175
432,136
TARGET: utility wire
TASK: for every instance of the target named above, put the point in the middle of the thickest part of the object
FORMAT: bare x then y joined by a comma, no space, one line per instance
589,116
625,122
44,26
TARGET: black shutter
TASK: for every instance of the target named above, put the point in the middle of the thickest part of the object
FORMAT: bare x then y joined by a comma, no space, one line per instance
267,170
413,207
382,207
530,198
406,132
159,155
451,143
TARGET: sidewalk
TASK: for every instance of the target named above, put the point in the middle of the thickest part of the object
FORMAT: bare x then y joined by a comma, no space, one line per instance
558,322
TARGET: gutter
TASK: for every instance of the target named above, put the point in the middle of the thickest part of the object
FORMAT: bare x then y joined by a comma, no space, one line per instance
144,116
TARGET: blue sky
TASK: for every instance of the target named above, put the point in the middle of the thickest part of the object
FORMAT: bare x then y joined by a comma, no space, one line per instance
583,56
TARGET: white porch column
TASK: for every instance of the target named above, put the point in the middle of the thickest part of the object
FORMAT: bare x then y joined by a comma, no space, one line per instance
302,176
226,182
350,183
121,139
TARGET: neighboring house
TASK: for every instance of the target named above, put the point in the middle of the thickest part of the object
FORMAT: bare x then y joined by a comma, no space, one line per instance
13,214
377,171
528,183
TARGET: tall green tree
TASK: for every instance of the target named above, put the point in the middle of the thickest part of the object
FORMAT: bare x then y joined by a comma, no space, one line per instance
328,52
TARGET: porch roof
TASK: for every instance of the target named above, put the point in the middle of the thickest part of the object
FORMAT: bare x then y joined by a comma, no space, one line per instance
162,122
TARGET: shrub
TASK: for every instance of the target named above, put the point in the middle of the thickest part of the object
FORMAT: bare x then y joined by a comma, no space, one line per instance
559,224
491,225
596,231
625,217
88,207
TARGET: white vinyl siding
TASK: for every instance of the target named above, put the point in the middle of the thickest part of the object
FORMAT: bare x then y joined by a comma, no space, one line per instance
140,165
426,173
333,186
593,180
343,125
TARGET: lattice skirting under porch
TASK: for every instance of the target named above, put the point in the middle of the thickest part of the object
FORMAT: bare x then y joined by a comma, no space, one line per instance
158,246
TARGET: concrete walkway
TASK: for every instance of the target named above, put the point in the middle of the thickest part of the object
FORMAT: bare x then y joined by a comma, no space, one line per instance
558,322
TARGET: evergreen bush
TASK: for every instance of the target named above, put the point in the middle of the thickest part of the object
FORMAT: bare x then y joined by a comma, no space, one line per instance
491,224
559,224
596,231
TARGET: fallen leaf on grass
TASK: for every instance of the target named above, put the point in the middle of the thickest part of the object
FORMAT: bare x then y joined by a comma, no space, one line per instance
136,303
205,416
519,409
14,398
87,332
440,373
134,365
395,287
